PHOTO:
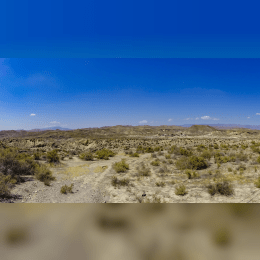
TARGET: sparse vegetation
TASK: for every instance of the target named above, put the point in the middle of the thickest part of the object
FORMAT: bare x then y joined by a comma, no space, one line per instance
180,190
105,154
53,156
66,189
193,163
155,163
117,182
121,166
223,188
86,156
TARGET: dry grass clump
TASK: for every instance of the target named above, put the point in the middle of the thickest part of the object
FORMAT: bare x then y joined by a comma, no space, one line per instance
134,155
223,188
88,156
192,175
121,166
117,182
155,163
180,190
65,189
160,183
143,171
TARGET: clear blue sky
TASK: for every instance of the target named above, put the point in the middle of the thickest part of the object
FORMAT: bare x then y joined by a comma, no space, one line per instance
78,93
116,28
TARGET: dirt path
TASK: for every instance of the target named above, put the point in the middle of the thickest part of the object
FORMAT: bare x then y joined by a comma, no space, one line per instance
87,178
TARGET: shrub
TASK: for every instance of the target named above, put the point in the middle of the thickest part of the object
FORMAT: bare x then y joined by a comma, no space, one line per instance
5,185
155,163
180,190
258,159
223,188
193,162
206,154
241,166
139,149
149,150
53,156
143,171
9,165
170,161
244,146
43,174
121,166
257,182
185,152
160,184
65,189
153,155
105,154
229,169
116,182
36,156
191,175
167,156
216,146
86,156
134,155
157,149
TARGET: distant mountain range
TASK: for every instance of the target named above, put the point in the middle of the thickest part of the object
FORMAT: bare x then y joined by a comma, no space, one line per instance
48,128
228,126
217,126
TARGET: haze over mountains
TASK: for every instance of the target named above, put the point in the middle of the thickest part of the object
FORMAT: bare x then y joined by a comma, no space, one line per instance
217,126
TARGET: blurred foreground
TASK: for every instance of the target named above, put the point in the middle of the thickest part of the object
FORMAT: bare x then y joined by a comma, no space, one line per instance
123,231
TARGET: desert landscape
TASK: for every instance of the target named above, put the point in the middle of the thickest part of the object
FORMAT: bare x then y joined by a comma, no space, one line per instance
131,164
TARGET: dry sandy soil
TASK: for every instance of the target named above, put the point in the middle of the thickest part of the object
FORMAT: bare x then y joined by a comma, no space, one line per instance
92,183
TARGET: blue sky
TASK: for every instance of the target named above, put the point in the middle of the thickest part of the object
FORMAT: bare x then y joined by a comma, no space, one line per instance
79,93
129,29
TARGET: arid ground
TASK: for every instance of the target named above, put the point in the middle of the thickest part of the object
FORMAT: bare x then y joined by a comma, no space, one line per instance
230,157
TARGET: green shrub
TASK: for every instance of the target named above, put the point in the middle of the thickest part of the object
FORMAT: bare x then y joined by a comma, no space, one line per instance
193,162
160,184
43,174
139,149
229,169
105,154
121,166
86,156
244,146
223,188
65,189
53,156
170,161
9,165
180,190
224,146
155,163
117,182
